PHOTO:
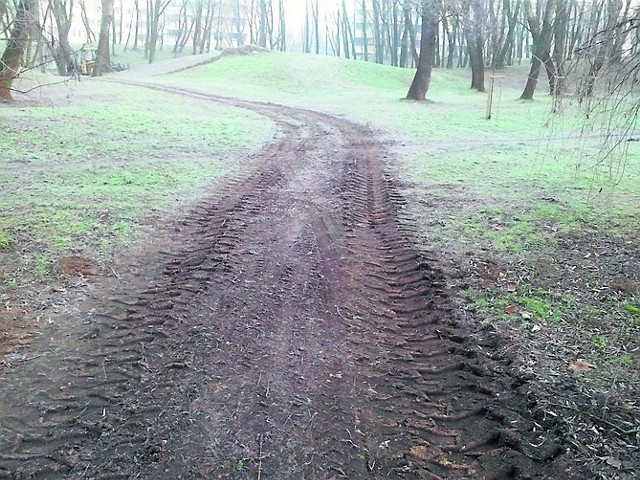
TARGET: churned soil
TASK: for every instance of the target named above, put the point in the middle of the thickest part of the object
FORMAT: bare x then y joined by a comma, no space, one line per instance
286,328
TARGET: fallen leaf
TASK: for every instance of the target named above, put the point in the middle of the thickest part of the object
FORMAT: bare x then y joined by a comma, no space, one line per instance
536,328
420,452
511,309
581,365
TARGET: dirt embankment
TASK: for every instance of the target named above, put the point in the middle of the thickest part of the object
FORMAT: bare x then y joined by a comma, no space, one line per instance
290,331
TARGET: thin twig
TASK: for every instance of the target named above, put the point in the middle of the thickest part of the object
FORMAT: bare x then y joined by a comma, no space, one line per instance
260,457
594,417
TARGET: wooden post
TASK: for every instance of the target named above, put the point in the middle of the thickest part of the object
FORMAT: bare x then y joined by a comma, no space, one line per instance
490,101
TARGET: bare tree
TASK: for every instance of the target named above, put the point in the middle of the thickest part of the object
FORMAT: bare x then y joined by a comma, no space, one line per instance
185,27
511,14
606,43
474,27
63,53
541,26
133,27
207,27
609,98
347,33
155,10
5,19
198,25
103,56
422,79
91,37
14,54
409,37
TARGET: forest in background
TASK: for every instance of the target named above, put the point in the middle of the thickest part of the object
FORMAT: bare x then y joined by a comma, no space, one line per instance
569,42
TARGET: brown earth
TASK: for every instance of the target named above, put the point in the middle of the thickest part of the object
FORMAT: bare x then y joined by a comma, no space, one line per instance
290,329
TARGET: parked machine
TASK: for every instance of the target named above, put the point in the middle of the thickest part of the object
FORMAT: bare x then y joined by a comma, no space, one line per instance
87,58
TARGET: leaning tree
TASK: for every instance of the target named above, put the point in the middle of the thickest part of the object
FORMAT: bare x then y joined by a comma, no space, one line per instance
13,57
430,14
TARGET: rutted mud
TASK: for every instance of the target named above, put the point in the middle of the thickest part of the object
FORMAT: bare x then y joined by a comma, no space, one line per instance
295,333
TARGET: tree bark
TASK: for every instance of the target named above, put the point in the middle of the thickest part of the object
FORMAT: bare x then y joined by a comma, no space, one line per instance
512,14
103,55
13,56
541,28
85,21
422,79
62,13
156,10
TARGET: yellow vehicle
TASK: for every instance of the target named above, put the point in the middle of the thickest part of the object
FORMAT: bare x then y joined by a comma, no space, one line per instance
87,58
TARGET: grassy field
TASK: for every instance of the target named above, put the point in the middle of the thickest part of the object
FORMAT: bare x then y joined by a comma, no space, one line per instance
540,235
81,171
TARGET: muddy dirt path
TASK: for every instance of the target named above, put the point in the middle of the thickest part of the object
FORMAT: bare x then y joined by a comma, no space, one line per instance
291,331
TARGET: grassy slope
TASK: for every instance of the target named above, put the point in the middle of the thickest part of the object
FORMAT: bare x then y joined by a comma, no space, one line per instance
523,143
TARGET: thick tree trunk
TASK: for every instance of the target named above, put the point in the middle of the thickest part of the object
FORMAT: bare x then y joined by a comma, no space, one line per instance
13,56
532,79
541,28
476,59
422,78
103,56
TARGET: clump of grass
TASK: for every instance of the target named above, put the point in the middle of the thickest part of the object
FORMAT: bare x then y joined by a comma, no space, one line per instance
634,310
5,241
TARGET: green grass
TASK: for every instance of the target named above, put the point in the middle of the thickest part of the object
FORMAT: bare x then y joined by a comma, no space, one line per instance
634,310
520,156
134,128
533,304
85,173
5,241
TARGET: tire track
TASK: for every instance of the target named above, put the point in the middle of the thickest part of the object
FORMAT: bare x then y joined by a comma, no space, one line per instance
296,333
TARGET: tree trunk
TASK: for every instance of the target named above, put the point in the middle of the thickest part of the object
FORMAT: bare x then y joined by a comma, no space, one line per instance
91,37
377,32
476,59
156,10
347,33
197,26
365,39
62,13
306,48
512,14
103,57
316,24
532,79
13,55
412,34
541,28
422,78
